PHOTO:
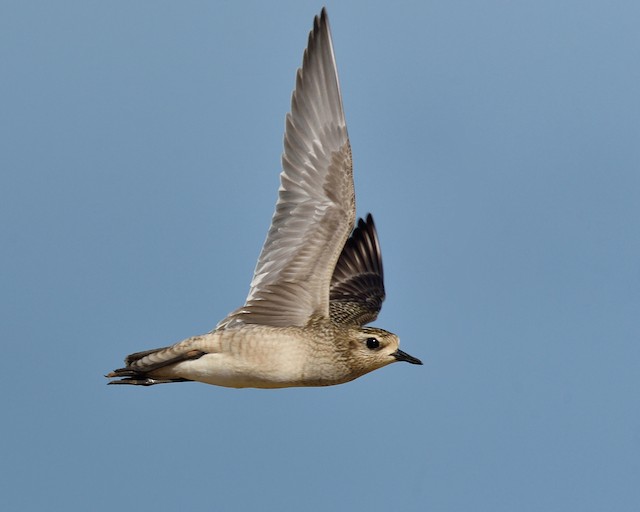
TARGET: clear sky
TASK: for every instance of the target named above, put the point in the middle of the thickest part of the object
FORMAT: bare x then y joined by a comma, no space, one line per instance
497,144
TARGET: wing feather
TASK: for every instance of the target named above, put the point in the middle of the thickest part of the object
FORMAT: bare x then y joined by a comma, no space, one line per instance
357,285
315,211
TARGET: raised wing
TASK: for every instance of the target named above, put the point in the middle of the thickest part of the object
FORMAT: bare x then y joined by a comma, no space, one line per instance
315,211
357,285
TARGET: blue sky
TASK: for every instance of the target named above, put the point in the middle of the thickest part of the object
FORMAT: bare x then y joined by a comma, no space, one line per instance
496,143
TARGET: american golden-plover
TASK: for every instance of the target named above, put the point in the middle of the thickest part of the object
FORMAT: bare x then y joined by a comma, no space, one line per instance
314,287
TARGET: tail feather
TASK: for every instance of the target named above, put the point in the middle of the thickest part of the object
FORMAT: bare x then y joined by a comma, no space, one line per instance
145,381
137,370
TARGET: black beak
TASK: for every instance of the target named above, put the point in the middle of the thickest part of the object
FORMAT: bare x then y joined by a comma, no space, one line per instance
403,356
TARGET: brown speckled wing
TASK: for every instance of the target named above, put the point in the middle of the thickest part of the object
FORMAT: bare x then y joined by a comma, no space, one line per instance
357,285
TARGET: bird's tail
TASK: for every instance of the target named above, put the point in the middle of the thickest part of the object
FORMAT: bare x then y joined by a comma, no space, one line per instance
140,365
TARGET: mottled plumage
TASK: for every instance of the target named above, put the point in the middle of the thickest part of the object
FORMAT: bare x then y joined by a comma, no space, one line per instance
357,284
313,288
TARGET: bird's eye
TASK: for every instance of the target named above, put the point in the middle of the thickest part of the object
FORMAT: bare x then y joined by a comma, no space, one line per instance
373,343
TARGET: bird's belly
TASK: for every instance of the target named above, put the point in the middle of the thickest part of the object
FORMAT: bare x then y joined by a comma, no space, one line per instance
234,372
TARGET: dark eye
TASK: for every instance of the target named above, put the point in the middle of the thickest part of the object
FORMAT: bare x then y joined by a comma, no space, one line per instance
373,343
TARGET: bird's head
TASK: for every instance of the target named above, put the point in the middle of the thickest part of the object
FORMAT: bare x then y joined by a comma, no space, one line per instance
371,348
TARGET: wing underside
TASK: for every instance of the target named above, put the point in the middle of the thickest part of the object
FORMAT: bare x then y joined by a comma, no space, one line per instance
315,211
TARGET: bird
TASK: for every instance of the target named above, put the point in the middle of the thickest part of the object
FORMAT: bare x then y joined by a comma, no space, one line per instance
319,277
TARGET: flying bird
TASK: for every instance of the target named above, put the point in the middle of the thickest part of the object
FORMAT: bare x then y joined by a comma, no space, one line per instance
318,279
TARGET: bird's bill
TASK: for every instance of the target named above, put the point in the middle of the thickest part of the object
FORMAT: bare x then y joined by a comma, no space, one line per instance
403,356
